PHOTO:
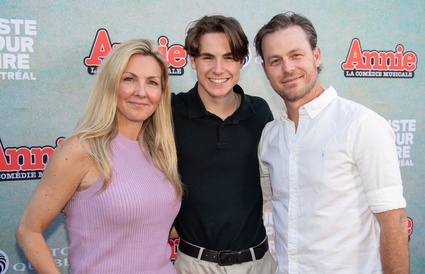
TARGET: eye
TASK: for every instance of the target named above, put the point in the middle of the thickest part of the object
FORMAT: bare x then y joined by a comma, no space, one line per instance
154,83
274,62
128,79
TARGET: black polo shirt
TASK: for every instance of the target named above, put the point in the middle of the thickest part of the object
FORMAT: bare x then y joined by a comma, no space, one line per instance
218,164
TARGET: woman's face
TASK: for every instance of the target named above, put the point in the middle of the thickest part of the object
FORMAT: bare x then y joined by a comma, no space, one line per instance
139,90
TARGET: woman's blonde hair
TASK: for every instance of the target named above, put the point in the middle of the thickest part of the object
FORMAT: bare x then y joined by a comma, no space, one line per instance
99,124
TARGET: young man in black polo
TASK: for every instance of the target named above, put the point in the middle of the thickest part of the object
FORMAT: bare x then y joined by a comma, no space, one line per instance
217,129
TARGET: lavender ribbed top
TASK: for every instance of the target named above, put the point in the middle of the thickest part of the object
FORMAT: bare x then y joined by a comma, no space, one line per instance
125,228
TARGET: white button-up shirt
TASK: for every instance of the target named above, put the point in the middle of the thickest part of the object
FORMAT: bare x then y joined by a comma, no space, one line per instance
328,177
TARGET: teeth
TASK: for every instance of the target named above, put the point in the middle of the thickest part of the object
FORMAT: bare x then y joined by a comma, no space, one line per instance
218,81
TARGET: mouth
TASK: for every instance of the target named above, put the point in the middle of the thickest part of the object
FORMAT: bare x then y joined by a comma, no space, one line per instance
138,104
291,79
218,80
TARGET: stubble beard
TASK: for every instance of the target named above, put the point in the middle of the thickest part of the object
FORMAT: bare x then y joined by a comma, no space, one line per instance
292,94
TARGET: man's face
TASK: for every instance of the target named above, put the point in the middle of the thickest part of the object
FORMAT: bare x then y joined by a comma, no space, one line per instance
216,70
290,64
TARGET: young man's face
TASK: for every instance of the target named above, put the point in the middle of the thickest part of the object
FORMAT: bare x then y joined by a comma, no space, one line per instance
216,70
290,64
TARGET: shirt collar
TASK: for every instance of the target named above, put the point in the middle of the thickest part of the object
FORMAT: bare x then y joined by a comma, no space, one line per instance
197,108
314,107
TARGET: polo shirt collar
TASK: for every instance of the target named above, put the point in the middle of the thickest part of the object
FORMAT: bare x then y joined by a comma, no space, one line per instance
196,108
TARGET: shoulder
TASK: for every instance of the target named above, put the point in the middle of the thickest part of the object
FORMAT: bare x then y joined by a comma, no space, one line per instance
256,100
260,106
272,127
181,98
178,98
272,133
72,145
69,164
361,121
71,151
356,111
179,104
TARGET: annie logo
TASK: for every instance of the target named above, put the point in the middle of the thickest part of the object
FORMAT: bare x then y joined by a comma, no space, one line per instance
379,64
174,245
101,47
175,55
24,163
409,226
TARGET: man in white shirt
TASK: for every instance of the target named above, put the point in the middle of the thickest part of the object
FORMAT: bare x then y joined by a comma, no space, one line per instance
338,204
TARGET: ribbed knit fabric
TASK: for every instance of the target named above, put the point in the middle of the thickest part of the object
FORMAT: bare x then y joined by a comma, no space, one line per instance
125,228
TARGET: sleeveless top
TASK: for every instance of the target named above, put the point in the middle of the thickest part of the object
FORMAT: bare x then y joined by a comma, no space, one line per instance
125,228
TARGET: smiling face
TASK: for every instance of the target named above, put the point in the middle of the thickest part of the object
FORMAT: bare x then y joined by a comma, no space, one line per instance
216,70
291,65
139,92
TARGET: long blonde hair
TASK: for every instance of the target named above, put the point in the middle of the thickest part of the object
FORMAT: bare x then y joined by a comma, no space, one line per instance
98,124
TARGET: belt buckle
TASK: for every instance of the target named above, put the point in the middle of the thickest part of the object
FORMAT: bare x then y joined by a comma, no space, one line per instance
220,257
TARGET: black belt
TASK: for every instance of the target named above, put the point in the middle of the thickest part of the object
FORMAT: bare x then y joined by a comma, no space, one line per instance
225,257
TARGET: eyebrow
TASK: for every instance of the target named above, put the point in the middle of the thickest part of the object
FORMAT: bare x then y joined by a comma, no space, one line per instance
129,73
207,54
273,56
149,77
290,52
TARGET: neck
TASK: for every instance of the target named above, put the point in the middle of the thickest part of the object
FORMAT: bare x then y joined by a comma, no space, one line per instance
293,107
222,107
130,131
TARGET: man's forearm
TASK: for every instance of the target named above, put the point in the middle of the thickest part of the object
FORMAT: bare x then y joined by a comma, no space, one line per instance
394,244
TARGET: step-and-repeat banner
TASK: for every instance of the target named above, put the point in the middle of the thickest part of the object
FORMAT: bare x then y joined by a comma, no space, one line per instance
50,50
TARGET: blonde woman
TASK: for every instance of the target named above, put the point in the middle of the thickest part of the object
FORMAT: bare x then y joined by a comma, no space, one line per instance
115,176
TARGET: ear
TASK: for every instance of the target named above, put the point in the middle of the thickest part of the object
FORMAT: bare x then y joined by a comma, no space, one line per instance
193,62
317,53
264,69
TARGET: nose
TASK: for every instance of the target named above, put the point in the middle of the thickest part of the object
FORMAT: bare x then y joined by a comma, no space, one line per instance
287,66
218,67
140,90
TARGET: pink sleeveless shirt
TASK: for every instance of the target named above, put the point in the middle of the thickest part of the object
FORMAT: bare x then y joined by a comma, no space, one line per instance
125,228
